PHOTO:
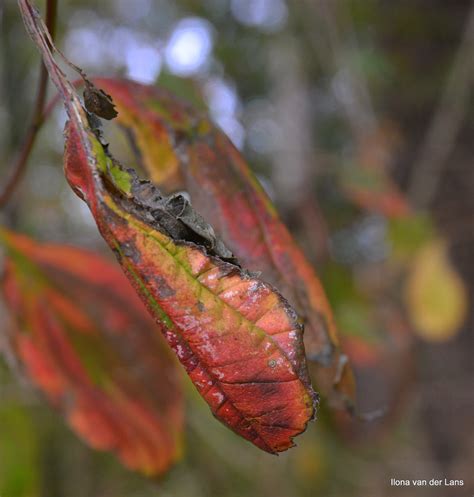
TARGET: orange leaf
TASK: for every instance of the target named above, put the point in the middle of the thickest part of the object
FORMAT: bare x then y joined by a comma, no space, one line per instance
88,343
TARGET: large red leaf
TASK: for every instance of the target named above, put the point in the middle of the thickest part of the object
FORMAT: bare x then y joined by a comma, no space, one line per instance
88,343
237,337
180,149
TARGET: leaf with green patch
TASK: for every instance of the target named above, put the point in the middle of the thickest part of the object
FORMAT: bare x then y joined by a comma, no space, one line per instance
238,339
180,148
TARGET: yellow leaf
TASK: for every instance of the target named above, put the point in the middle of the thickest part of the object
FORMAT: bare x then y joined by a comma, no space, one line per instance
435,294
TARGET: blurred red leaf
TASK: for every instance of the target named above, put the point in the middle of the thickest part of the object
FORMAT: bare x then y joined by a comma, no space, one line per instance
367,182
373,190
88,343
181,149
236,336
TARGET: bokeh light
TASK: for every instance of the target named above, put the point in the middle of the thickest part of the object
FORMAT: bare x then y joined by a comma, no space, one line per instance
268,15
189,46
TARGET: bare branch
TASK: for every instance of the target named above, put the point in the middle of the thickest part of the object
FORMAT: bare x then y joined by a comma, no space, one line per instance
19,166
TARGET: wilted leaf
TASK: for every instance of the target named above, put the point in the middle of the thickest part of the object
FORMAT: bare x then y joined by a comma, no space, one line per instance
88,343
435,294
238,339
99,103
181,149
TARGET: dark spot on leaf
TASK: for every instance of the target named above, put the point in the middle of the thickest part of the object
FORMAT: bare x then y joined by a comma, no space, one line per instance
200,306
164,290
130,251
269,389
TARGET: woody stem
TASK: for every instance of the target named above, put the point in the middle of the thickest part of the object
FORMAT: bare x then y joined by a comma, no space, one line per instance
19,167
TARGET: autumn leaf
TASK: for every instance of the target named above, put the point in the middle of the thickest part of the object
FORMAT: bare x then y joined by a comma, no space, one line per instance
181,149
238,339
435,294
373,190
366,182
88,343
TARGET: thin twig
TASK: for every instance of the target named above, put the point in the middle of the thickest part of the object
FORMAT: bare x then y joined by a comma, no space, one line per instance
19,167
446,123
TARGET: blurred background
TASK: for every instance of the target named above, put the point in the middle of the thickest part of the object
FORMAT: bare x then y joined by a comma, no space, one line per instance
357,117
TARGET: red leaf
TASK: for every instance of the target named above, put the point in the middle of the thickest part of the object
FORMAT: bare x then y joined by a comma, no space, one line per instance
367,182
373,190
236,336
88,343
180,148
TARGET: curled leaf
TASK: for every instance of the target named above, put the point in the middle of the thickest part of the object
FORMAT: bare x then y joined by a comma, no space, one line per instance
238,339
98,102
181,149
87,342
